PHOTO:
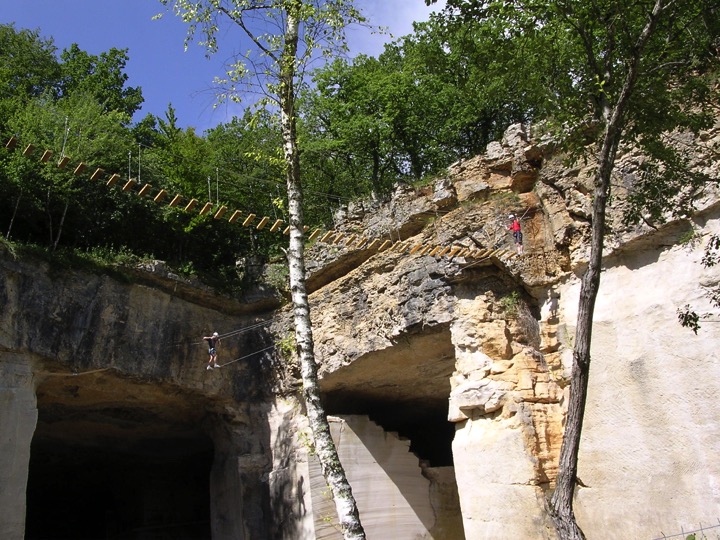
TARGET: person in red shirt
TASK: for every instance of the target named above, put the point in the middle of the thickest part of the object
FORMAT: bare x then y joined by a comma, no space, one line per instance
516,232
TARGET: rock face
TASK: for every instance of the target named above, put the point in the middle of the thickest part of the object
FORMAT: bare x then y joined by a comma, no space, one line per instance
128,429
446,377
397,329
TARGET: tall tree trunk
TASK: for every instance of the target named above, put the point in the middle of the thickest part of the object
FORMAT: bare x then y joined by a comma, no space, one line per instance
561,502
50,220
324,446
60,226
12,219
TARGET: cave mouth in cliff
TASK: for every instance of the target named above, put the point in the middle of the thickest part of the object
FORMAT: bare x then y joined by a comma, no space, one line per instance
117,460
423,423
157,489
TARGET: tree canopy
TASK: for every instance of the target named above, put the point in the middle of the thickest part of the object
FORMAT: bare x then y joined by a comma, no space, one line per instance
633,74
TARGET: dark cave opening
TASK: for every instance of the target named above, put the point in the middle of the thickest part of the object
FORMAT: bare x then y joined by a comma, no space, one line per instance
424,423
426,427
151,489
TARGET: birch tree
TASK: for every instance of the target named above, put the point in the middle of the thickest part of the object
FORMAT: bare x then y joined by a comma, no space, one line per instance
634,72
285,36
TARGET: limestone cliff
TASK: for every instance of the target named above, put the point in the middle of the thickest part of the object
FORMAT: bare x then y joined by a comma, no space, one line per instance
446,377
489,342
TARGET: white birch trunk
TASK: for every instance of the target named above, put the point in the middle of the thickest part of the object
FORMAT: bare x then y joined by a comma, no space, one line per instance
324,446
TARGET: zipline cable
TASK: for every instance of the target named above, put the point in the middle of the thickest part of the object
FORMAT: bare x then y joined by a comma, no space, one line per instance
232,332
247,356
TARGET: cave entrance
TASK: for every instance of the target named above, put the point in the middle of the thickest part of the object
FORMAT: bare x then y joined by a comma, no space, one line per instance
405,389
118,460
423,423
409,478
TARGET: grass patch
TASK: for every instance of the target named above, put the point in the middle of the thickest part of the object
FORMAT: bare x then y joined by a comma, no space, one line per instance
510,303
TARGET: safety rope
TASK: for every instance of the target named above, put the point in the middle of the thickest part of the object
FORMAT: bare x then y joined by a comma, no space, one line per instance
247,356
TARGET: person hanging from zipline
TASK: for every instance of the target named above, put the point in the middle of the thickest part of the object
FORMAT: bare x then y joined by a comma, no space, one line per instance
212,349
517,233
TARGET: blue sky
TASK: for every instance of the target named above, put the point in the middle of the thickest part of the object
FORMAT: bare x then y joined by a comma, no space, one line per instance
158,62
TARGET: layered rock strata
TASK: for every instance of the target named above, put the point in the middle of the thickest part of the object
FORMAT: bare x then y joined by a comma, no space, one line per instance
447,378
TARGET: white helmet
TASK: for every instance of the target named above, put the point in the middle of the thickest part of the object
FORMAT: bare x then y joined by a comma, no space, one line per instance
511,216
215,334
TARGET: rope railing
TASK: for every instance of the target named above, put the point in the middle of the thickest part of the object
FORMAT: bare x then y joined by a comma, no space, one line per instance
693,533
219,211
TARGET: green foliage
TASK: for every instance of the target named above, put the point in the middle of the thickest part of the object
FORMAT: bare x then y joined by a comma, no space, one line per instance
101,76
510,303
262,68
711,256
287,347
8,246
28,68
689,318
107,256
277,276
430,98
688,237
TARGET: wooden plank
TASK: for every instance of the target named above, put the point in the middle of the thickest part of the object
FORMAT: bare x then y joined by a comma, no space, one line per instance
175,201
97,174
276,225
435,250
248,220
415,248
63,162
480,253
80,168
12,143
373,244
314,234
47,154
360,244
454,251
129,185
113,180
384,245
235,216
205,209
263,222
339,237
144,190
192,204
443,251
327,236
221,212
160,196
287,230
350,240
29,149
